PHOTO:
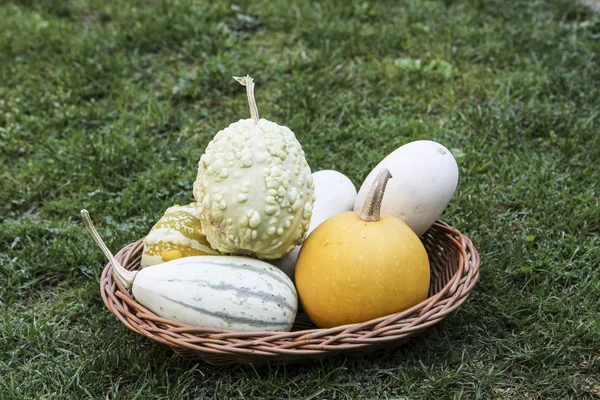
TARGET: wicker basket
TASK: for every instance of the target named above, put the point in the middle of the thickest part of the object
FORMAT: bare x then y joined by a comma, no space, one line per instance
454,273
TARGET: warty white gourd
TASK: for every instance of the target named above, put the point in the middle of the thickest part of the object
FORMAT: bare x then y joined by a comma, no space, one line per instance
254,188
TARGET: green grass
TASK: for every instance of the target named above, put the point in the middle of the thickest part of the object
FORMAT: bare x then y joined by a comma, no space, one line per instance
108,105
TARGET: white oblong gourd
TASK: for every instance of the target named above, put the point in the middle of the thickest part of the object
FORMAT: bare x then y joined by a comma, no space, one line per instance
218,292
425,178
335,193
222,292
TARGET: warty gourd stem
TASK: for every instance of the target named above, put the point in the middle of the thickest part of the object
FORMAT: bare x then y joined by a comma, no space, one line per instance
249,83
124,276
371,209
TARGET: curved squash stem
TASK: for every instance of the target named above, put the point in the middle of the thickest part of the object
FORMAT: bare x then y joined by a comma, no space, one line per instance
124,276
249,83
371,209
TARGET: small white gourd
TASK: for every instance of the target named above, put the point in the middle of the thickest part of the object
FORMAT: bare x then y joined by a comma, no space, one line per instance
335,194
254,187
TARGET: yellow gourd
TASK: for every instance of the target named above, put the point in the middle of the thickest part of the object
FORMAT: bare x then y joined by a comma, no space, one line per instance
177,234
356,267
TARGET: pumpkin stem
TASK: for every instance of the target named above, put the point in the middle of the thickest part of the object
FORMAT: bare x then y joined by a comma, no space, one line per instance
371,209
124,276
249,83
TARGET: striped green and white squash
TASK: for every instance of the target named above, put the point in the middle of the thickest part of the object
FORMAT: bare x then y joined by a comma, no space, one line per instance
177,234
223,292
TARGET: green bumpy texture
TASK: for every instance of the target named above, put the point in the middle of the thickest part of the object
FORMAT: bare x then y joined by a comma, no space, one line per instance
254,190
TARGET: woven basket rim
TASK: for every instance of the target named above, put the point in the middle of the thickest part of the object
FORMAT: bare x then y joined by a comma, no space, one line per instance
218,346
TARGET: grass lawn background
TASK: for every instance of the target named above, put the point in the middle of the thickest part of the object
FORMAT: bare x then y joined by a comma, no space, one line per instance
108,105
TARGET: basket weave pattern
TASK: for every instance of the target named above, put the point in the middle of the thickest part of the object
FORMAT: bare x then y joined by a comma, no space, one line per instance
454,272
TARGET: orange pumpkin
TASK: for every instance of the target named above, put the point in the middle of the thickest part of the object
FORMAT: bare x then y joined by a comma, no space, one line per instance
356,267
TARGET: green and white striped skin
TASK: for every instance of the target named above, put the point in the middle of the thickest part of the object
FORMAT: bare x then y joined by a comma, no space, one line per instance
222,292
177,233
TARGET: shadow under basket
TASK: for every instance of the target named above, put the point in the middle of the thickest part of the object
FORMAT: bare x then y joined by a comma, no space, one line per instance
454,272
